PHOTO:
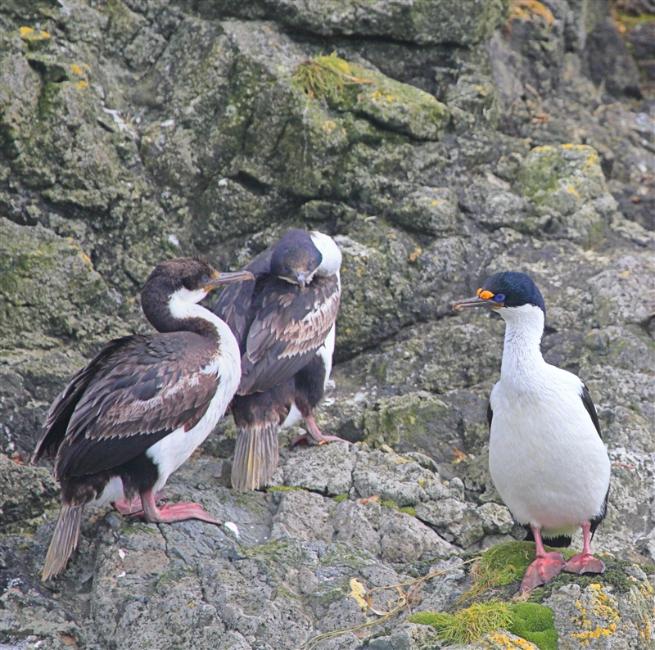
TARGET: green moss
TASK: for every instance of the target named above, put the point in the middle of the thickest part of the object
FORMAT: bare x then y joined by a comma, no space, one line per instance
467,625
389,104
340,498
284,488
329,77
534,623
530,621
502,565
630,21
392,505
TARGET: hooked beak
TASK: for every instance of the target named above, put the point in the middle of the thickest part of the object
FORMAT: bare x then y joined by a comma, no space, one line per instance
473,302
228,278
302,278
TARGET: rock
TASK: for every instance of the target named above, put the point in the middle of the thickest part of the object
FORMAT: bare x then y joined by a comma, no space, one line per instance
610,62
437,142
396,20
567,181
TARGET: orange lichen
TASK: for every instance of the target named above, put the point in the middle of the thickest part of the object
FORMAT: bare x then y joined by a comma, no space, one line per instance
529,9
508,643
415,254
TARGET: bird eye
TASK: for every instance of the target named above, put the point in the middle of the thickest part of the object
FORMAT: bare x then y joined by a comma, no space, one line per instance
499,297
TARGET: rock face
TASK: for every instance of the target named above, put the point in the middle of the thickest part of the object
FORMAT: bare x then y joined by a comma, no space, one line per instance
437,142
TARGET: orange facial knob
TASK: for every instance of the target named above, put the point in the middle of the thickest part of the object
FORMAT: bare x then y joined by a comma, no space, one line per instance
485,295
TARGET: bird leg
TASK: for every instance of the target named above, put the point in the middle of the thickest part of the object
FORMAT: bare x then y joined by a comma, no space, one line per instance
173,512
545,567
585,562
315,434
133,507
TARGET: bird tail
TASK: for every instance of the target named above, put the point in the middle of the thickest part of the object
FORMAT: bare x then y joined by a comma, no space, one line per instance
256,457
64,540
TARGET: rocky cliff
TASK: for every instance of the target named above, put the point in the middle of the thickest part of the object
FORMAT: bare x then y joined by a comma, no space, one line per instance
436,141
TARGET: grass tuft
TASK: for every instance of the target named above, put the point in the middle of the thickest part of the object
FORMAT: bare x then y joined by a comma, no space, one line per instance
467,625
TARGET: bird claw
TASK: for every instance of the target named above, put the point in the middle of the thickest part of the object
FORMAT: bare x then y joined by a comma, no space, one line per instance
584,563
541,571
310,439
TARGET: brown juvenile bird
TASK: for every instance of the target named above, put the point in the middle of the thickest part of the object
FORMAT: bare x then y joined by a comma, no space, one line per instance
131,417
284,321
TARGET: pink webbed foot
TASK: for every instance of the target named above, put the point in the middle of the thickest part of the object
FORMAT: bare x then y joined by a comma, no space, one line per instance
542,570
180,512
584,563
169,513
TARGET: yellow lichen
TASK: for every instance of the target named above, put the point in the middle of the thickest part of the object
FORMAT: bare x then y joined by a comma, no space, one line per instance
509,643
415,254
77,70
329,126
358,592
86,259
82,84
32,35
529,9
601,607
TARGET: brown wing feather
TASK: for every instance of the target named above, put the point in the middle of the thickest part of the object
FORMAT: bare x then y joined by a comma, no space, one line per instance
141,390
289,329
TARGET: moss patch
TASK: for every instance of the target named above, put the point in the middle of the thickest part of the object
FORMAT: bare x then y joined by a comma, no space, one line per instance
504,564
284,488
467,625
530,621
501,565
390,104
340,498
534,623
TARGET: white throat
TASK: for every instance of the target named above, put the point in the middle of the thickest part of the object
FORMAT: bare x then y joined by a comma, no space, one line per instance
331,262
184,304
524,327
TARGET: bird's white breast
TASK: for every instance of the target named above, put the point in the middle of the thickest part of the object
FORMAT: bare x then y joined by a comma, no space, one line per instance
546,458
173,450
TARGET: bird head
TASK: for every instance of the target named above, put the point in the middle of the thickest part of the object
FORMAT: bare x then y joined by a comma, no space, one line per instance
510,293
189,279
296,258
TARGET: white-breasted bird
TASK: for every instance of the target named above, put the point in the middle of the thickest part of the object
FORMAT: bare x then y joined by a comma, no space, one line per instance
546,455
137,411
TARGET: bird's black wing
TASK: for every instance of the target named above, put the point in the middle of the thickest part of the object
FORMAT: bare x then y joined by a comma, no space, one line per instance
490,414
290,325
234,304
137,390
591,409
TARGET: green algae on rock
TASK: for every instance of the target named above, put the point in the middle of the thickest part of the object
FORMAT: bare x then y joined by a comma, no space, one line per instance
350,87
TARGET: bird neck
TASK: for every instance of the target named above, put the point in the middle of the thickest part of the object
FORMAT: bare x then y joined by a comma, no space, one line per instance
180,312
522,347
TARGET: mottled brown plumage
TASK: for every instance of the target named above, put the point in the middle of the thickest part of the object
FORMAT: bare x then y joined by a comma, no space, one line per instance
140,407
282,321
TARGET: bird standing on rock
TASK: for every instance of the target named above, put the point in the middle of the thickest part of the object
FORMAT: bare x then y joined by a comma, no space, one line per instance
546,457
284,321
131,417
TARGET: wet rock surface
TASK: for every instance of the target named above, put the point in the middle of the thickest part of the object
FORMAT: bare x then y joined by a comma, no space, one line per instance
436,143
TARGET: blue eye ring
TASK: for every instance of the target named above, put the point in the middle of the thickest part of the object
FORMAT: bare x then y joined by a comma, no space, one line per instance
499,297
